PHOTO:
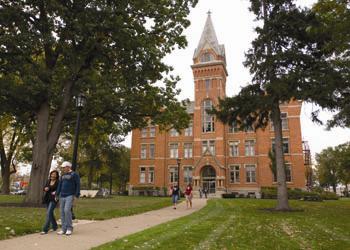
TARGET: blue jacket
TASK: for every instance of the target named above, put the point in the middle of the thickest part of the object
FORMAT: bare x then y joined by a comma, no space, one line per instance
69,185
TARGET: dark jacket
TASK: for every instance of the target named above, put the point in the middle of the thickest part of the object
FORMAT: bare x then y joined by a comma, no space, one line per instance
48,196
69,185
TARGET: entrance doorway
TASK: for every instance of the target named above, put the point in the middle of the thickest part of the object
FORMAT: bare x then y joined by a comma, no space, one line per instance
208,179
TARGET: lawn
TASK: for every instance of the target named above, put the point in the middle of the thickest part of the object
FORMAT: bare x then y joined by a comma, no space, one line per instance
20,220
242,224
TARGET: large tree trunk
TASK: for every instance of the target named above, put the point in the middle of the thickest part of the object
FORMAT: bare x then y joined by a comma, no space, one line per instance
5,188
41,158
282,193
334,186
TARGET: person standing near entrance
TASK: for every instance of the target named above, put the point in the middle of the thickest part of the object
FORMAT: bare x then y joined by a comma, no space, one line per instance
188,194
205,191
175,192
68,189
50,201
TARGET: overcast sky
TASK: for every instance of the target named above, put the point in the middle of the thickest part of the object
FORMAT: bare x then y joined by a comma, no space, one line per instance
234,26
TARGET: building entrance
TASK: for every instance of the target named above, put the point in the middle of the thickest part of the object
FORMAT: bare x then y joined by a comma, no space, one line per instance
208,179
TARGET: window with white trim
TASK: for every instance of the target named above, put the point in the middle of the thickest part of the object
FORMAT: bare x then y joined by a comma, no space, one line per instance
188,173
285,147
143,151
288,169
210,145
284,121
249,146
207,119
173,132
233,128
188,150
234,174
189,129
152,131
150,174
142,175
152,148
250,172
174,150
233,147
144,132
207,57
173,177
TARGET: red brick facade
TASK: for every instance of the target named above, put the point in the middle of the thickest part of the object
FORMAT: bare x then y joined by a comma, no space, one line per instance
214,156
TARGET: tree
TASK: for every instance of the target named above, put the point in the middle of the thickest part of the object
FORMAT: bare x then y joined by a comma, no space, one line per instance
343,158
111,51
327,169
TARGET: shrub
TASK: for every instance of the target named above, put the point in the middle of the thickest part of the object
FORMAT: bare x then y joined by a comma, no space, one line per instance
226,196
329,196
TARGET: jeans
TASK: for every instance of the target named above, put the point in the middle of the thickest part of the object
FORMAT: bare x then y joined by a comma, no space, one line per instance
175,198
66,212
50,217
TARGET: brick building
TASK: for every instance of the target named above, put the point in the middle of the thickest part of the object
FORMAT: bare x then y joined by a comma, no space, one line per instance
213,156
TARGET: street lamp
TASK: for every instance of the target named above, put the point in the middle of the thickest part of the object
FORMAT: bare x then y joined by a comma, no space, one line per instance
80,102
178,160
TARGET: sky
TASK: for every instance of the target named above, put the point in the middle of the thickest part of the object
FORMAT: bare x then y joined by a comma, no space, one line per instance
234,26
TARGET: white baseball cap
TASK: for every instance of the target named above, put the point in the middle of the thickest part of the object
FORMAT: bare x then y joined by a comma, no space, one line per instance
66,164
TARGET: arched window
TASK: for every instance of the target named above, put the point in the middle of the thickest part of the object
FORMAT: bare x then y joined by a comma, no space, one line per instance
207,119
207,57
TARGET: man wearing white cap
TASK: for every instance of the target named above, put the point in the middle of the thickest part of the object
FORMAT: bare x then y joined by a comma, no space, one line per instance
68,188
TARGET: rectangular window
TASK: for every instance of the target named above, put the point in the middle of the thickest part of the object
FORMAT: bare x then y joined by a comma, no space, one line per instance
188,172
173,132
151,151
285,145
250,172
234,174
189,130
210,145
284,121
150,174
143,151
174,150
188,150
207,84
233,128
142,174
152,131
249,129
173,177
144,132
234,150
250,148
288,173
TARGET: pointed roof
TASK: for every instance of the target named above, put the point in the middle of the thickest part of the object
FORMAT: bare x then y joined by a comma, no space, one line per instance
209,38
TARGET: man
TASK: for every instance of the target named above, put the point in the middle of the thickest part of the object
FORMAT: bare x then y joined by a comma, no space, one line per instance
68,189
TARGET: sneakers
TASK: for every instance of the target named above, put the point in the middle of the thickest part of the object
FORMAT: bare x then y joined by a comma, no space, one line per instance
69,232
43,232
61,232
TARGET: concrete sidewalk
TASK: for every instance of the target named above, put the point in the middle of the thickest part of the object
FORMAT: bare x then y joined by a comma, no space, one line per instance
93,234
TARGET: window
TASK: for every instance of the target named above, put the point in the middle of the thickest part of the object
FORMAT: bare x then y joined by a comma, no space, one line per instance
173,132
188,150
249,129
233,146
188,171
207,119
174,150
250,148
143,151
189,130
284,121
285,145
288,168
151,151
206,57
233,128
173,174
250,173
210,145
207,84
152,131
142,174
234,174
150,174
144,132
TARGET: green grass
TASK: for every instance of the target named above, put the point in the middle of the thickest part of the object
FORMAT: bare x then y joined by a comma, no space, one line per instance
241,224
29,220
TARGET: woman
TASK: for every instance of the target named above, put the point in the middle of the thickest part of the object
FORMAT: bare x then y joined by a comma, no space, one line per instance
50,201
175,192
188,195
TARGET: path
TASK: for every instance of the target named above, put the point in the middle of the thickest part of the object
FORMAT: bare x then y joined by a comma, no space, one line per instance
93,234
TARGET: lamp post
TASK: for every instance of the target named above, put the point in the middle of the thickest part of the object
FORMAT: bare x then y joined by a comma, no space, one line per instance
178,160
80,102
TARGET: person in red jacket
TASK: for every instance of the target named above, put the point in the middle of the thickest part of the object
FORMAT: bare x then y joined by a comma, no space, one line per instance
188,195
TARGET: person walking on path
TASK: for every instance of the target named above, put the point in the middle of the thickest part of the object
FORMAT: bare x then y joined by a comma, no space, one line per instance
205,191
188,194
50,201
175,192
68,189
